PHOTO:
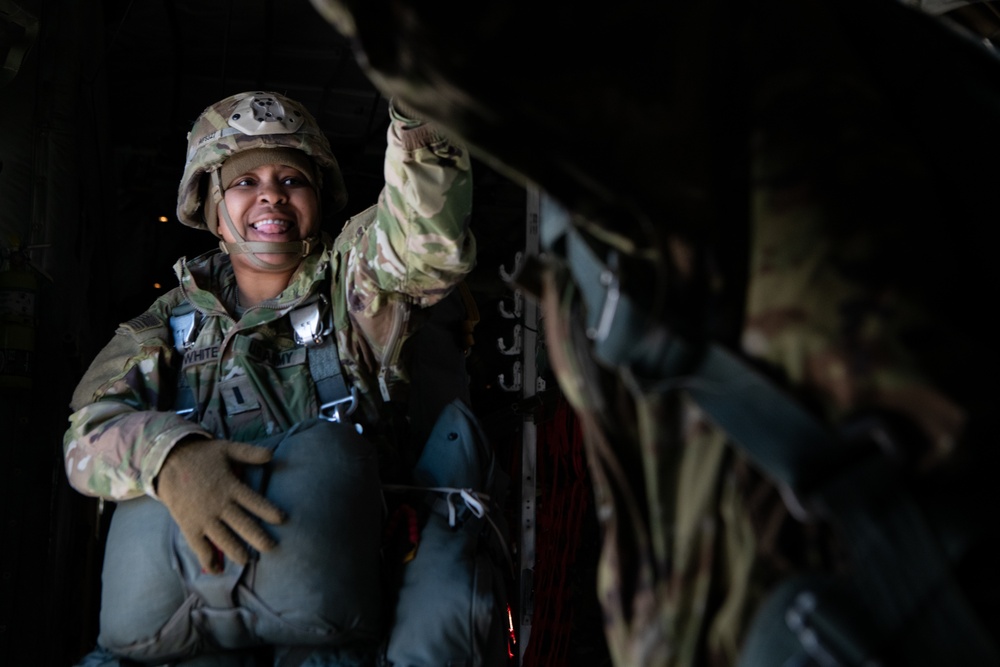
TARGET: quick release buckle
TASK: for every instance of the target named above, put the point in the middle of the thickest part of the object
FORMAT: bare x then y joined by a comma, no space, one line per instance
183,327
338,411
310,323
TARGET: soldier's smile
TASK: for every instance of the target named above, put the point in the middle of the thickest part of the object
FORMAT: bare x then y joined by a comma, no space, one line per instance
274,203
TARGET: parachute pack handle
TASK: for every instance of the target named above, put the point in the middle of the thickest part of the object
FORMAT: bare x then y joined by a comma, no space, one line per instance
474,504
474,501
900,572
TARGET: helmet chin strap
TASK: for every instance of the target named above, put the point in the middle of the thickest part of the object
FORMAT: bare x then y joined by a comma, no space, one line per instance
297,249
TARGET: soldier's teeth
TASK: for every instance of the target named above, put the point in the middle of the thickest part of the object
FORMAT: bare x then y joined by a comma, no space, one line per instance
261,223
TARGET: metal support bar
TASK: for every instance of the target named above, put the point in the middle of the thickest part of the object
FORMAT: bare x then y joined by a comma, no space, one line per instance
529,374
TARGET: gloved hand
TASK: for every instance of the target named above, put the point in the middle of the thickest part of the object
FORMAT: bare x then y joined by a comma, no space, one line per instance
212,507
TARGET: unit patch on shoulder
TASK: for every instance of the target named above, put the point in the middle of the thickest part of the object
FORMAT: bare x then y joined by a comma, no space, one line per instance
142,323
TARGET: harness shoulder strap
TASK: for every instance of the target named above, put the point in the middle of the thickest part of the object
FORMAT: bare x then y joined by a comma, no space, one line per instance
185,322
313,328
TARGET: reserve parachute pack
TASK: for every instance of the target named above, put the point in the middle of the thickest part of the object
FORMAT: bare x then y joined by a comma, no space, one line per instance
449,588
157,605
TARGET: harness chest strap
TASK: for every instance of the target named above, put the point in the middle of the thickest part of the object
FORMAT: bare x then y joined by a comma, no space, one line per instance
312,328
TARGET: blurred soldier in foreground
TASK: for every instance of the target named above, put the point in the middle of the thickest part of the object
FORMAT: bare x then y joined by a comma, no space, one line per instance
762,281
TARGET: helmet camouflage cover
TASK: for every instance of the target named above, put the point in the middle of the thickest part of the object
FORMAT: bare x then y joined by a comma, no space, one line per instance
248,121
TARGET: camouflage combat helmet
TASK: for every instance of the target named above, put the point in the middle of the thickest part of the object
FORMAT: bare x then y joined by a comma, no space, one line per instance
244,122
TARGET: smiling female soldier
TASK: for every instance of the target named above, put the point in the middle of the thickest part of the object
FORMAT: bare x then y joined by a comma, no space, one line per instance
282,346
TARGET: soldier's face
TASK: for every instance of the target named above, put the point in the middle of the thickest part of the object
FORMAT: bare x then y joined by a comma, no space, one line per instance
273,202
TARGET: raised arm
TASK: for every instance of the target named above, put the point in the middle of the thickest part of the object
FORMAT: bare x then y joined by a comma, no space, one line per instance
419,243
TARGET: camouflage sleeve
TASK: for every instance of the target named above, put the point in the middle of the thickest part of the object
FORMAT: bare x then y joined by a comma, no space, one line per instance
411,248
419,244
119,433
830,300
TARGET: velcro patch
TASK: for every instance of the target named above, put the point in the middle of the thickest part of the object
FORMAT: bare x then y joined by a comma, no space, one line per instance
144,322
145,328
261,353
238,395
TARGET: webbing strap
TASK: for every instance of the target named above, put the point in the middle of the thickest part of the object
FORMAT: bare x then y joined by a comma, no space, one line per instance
184,325
900,597
336,398
755,412
776,432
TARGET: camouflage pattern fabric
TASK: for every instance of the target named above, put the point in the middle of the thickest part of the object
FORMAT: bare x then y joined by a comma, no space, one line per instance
838,302
405,252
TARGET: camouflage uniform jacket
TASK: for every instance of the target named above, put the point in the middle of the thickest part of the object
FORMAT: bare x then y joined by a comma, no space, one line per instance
247,373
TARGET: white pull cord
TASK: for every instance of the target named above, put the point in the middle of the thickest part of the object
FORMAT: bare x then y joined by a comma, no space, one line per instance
474,500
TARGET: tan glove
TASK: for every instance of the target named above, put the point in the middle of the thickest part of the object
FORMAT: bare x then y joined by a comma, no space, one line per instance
212,507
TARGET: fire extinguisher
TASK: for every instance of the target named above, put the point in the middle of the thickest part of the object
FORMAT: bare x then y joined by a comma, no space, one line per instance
18,287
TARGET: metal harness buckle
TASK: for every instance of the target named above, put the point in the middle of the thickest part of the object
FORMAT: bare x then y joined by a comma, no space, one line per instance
612,294
334,411
183,328
310,324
